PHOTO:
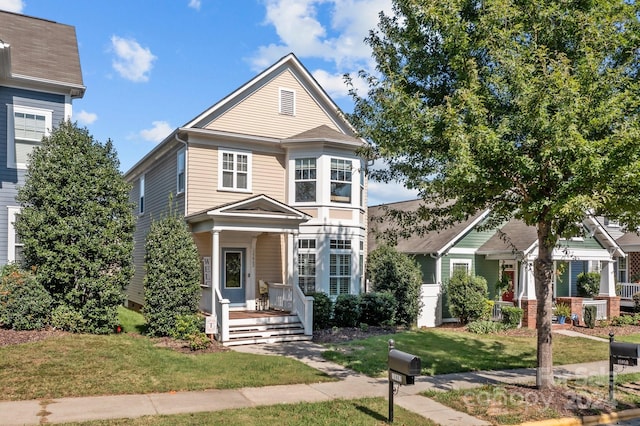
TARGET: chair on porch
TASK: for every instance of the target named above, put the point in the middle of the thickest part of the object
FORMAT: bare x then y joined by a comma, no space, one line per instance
263,301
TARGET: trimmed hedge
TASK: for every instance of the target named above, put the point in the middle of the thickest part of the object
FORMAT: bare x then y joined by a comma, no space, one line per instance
378,308
24,302
511,316
322,311
346,310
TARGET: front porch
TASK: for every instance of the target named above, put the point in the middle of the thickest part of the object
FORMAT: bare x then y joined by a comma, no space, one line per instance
287,316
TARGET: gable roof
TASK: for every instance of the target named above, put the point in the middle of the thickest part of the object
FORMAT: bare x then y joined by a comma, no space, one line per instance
291,63
515,235
39,51
434,242
261,206
323,133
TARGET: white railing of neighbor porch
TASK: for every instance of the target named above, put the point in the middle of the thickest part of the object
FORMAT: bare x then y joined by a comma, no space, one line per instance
303,307
280,296
221,307
601,308
627,290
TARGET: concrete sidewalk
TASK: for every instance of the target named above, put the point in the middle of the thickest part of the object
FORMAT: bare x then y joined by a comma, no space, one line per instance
351,385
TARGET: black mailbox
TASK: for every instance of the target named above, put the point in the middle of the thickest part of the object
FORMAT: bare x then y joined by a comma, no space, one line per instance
625,350
624,353
404,363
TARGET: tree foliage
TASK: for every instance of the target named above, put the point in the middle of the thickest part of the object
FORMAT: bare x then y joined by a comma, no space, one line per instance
172,280
395,272
529,108
76,224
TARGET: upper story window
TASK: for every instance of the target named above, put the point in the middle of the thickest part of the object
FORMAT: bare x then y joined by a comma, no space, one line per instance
287,101
305,179
234,171
26,128
180,173
340,180
141,195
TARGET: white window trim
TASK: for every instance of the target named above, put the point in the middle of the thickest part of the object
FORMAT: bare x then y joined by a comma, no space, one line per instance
11,137
350,252
12,212
351,196
285,89
313,251
235,152
452,261
141,195
295,181
184,171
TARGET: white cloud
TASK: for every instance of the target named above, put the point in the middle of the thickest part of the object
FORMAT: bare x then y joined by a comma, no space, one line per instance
133,62
340,41
12,5
383,193
84,117
159,131
195,4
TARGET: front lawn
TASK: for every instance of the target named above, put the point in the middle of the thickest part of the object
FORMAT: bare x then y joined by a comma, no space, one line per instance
444,351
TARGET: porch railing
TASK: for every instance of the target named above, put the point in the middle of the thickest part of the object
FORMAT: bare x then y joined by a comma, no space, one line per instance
280,296
221,311
601,308
627,290
303,306
496,313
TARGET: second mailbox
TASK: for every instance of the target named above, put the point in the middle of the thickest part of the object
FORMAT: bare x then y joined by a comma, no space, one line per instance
404,363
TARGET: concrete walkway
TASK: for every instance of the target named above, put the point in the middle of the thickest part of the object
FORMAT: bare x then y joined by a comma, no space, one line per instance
351,385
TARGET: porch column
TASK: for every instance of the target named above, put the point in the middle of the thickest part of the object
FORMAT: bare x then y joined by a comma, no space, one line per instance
292,250
215,264
607,280
527,294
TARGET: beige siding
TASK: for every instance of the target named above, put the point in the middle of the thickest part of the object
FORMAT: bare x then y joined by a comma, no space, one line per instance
311,212
258,114
269,258
340,214
268,177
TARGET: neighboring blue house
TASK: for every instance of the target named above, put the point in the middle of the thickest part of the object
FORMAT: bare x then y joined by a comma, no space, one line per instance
40,75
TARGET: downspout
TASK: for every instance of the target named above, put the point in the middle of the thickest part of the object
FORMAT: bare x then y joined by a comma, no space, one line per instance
186,174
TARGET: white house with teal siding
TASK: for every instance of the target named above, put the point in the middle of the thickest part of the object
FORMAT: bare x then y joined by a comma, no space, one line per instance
492,254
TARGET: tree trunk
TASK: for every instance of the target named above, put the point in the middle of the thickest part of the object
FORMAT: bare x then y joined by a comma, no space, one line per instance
543,271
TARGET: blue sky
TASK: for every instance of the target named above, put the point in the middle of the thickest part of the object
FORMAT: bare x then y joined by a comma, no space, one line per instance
150,66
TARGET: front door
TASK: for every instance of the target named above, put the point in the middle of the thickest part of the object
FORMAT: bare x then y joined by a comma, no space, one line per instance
233,274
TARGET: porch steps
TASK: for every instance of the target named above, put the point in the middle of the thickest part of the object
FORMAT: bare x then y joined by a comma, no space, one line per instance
272,329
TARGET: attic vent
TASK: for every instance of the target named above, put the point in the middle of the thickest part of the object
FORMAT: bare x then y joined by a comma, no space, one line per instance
287,102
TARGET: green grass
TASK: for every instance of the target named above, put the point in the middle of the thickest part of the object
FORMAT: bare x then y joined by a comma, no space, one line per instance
131,321
84,365
357,412
443,351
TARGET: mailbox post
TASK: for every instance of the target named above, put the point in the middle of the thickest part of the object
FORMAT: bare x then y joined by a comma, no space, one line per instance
403,368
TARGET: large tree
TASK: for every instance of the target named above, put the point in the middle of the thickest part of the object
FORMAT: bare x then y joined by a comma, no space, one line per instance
529,108
76,224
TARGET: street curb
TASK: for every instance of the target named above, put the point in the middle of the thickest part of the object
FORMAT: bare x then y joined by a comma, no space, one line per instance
588,420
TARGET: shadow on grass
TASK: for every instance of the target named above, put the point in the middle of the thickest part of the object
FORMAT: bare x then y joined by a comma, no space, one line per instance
369,412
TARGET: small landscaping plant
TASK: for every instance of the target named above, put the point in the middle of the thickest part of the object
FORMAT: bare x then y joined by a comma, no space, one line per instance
590,313
484,327
563,310
66,318
588,284
346,311
378,308
511,316
467,295
636,302
322,311
24,303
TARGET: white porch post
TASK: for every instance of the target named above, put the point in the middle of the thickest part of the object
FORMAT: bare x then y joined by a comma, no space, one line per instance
607,280
215,260
527,281
291,251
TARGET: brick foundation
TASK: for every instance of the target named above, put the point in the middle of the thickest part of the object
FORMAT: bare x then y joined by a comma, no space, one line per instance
576,307
530,313
613,305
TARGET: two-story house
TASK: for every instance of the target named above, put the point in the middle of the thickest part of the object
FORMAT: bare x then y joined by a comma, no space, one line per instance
40,75
270,182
